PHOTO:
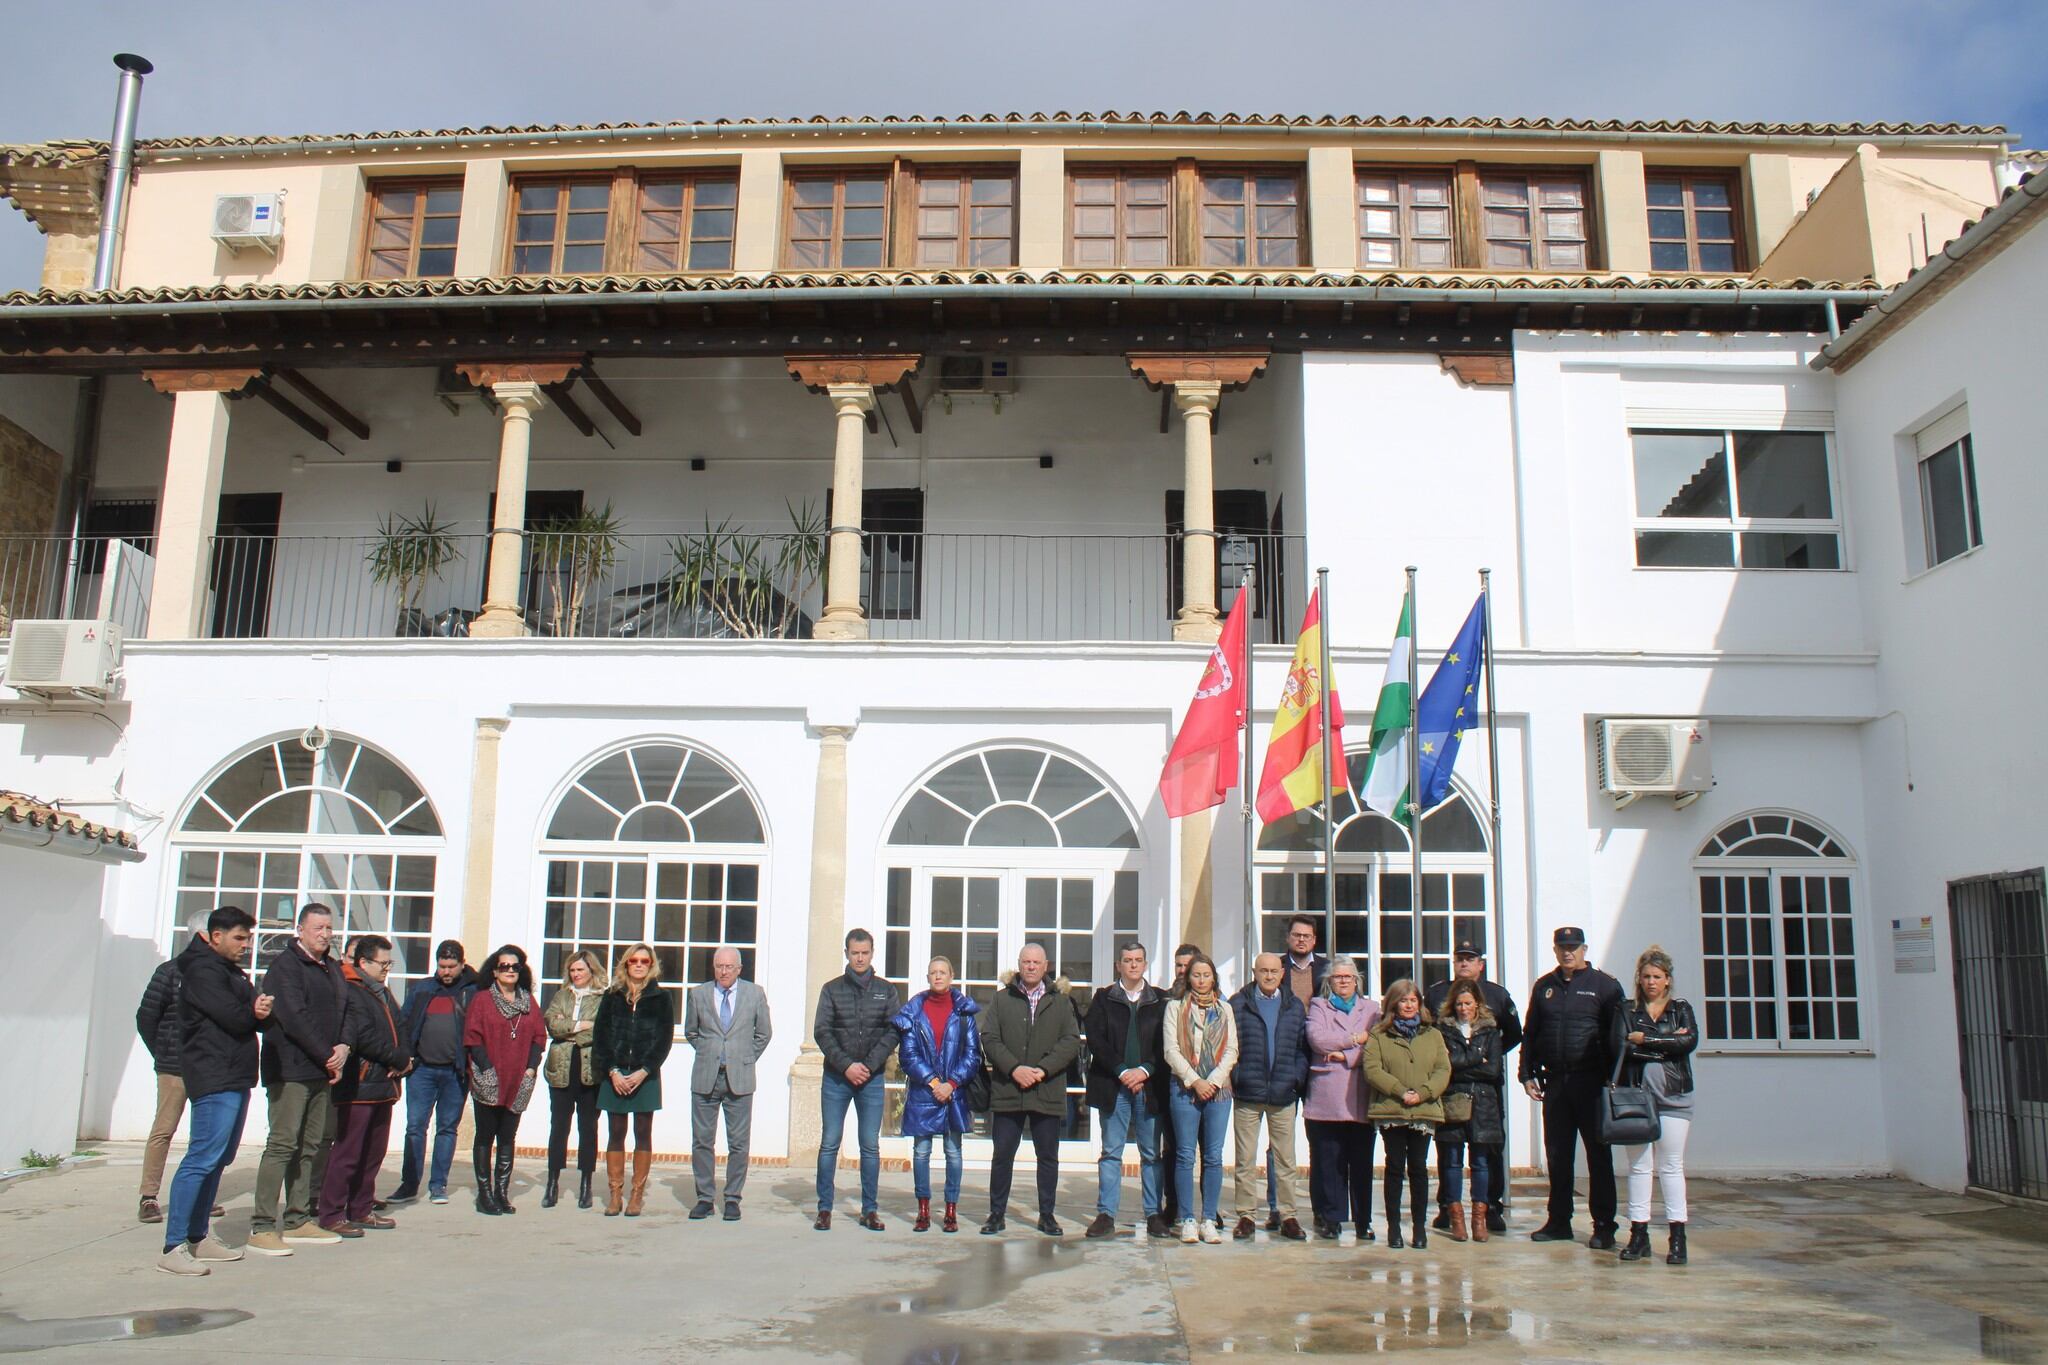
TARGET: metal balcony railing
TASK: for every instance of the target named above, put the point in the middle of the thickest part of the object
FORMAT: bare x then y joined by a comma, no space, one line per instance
935,586
105,578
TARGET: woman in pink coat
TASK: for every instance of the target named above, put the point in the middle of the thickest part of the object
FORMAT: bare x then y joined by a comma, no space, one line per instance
1340,1141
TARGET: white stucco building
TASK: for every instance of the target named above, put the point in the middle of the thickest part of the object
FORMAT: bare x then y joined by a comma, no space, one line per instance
1053,363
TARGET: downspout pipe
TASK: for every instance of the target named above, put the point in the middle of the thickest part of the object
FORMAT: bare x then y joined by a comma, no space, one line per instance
74,495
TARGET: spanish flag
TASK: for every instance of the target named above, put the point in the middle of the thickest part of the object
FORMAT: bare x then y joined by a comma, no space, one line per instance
1292,778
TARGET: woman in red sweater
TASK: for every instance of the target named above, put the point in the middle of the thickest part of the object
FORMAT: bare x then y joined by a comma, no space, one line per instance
504,1038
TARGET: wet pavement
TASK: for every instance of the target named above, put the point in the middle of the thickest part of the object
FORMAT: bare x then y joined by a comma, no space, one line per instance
1857,1270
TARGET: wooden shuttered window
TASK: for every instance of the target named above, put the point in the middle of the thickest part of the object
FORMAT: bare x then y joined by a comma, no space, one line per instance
1250,218
684,223
560,225
1120,217
1405,220
412,229
838,220
1693,222
964,217
1533,221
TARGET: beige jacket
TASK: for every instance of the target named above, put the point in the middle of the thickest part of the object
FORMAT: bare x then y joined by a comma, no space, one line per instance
1177,1061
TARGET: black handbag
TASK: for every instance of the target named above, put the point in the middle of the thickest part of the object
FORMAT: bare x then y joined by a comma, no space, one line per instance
1628,1113
978,1091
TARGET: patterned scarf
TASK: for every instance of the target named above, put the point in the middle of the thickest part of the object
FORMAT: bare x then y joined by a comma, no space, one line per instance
1408,1028
1203,1033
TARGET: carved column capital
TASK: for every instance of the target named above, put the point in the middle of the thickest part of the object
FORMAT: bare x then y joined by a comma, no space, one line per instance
820,373
519,398
200,381
1191,396
489,374
847,398
1231,369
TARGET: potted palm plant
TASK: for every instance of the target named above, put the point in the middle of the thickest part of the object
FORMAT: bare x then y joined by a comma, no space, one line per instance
406,554
574,556
750,586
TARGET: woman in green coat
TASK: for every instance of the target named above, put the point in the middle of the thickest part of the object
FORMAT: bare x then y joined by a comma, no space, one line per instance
571,1073
1408,1068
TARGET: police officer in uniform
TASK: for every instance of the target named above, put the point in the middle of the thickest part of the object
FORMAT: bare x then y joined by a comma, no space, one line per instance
1565,1065
1468,963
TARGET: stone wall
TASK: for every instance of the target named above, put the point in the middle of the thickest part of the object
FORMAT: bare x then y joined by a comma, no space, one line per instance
30,473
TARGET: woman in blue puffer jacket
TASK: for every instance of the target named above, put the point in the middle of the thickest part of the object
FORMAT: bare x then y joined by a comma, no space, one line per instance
941,1053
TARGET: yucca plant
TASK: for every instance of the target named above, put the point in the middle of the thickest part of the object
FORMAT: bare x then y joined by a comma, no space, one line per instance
752,584
408,552
575,556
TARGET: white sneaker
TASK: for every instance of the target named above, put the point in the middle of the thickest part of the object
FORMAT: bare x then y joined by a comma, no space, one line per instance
437,1198
1188,1233
1211,1234
178,1261
211,1248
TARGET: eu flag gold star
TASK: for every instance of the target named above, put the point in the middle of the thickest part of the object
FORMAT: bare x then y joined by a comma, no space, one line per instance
1428,747
1451,658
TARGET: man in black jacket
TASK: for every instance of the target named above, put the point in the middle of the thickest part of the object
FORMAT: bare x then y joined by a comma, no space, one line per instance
1127,1087
219,1015
854,1033
1468,963
435,1010
302,1058
1565,1066
366,1093
158,1022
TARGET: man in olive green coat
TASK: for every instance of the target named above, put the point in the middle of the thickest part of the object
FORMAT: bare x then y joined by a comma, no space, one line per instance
1030,1034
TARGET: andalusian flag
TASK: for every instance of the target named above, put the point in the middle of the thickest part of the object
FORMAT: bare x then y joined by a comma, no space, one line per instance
1292,778
1387,779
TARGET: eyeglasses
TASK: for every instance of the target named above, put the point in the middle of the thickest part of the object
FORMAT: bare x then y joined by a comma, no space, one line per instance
639,962
386,963
506,967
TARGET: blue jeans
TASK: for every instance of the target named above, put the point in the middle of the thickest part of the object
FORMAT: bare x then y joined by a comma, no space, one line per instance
1199,1125
1450,1175
867,1111
921,1166
1117,1122
216,1132
430,1092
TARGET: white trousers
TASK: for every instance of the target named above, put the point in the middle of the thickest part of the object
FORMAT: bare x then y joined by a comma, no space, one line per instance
1666,1157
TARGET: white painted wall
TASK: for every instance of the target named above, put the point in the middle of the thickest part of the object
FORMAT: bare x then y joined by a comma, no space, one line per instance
1960,644
52,905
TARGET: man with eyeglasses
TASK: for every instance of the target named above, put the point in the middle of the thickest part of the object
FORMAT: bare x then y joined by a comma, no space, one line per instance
366,1093
1565,1066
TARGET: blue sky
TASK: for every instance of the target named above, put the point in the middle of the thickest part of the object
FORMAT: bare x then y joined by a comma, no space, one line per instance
364,64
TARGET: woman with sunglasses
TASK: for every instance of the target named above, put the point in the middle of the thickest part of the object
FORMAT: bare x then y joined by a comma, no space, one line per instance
636,1025
505,1039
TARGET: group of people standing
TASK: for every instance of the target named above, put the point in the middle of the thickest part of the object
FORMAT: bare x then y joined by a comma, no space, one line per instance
1173,1069
1169,1070
334,1052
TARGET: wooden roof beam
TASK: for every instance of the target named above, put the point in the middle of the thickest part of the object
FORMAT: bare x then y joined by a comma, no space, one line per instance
349,422
260,387
612,403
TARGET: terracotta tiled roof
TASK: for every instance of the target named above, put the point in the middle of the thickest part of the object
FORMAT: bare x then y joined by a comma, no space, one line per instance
71,151
573,285
21,809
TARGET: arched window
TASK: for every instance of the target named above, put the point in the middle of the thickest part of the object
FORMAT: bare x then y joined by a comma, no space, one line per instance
1778,935
285,824
658,843
1009,843
1374,885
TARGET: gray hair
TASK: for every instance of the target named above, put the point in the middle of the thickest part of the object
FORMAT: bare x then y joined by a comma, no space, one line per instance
1343,960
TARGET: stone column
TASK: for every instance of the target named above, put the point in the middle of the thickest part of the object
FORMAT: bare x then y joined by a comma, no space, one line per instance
1621,199
1198,882
851,383
1198,381
518,391
190,509
824,955
481,845
1197,399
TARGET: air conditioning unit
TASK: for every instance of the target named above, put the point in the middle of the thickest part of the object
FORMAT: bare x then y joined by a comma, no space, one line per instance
966,374
249,220
1655,758
59,659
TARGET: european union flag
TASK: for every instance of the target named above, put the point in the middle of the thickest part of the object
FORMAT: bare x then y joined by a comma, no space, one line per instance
1449,707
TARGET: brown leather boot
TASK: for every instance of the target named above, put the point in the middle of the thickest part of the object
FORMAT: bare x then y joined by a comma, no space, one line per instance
952,1223
1457,1230
924,1216
615,1172
641,1161
1479,1232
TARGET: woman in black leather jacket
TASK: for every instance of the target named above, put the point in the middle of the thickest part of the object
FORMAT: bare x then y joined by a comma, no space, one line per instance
1657,1035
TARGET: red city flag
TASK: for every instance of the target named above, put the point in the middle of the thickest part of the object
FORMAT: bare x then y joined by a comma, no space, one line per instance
1203,764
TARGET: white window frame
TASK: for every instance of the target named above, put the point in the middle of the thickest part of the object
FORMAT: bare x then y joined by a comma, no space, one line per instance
1735,524
1950,430
1774,869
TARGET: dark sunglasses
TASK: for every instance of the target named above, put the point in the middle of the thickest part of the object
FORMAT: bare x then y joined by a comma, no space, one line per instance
506,967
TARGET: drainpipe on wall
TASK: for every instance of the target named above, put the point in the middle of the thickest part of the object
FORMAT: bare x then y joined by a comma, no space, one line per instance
74,495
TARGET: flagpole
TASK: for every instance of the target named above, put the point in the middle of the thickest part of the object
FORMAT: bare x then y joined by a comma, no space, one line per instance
1329,824
1245,789
1414,776
1500,912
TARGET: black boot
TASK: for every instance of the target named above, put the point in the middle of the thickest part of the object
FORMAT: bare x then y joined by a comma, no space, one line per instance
1394,1242
554,1190
486,1197
583,1192
1638,1248
502,1180
1421,1237
1677,1254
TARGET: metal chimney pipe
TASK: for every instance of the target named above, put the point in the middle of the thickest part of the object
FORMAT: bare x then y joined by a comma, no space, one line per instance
120,167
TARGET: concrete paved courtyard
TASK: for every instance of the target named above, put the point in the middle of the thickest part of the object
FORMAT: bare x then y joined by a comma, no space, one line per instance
1854,1270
